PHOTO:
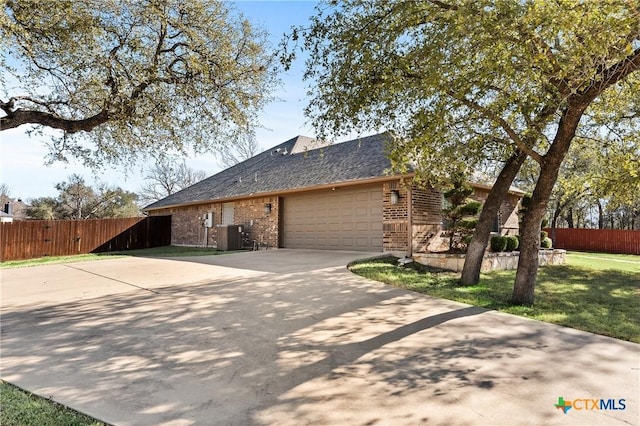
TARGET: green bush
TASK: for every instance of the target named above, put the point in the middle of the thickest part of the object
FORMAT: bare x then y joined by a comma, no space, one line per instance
468,223
498,243
472,208
512,243
546,243
543,235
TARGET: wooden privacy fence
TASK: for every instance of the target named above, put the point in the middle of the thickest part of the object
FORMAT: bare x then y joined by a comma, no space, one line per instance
598,240
39,238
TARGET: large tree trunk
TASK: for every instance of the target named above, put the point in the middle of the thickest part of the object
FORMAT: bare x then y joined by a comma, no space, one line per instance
478,244
524,286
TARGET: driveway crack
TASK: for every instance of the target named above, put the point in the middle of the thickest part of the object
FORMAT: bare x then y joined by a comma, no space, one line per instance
112,279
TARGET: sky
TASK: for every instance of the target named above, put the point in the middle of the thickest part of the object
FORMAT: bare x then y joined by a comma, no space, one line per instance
22,157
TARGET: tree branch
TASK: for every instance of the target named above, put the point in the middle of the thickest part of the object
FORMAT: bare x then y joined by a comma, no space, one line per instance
502,123
21,116
611,76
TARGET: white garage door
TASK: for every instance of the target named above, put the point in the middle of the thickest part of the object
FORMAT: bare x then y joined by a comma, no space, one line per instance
342,219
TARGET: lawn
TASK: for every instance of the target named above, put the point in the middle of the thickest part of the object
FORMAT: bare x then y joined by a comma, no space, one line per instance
21,408
594,292
165,251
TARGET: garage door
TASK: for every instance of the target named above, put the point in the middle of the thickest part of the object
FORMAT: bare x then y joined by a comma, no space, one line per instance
342,219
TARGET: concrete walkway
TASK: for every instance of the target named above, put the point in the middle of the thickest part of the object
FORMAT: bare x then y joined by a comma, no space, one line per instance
288,337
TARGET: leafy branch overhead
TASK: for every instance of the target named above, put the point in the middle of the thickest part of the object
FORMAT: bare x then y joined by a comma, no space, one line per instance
132,76
462,81
466,83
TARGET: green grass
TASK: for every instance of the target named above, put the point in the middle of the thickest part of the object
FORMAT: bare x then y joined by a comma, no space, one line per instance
599,293
21,408
165,251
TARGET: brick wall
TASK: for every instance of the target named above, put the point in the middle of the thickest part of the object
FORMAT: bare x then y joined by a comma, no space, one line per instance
188,229
508,213
262,228
187,226
426,219
394,218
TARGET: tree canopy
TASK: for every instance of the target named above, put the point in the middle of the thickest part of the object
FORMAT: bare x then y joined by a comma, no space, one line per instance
463,82
121,78
165,177
78,201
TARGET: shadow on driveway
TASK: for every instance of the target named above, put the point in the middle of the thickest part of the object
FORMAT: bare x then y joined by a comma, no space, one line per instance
319,346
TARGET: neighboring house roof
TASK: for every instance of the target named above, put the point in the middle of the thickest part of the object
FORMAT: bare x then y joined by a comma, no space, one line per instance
18,206
298,163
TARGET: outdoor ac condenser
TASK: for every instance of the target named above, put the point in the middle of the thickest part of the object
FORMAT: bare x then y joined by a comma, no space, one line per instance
229,237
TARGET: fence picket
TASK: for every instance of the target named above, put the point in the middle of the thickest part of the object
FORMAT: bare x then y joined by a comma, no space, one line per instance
622,241
39,238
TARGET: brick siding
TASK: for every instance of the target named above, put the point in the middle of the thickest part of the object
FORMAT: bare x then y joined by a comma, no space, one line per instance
394,218
187,225
188,229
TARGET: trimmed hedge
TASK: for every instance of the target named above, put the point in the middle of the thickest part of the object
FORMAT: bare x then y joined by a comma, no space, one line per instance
512,243
498,243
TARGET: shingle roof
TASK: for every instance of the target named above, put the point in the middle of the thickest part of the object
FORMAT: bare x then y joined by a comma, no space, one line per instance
298,163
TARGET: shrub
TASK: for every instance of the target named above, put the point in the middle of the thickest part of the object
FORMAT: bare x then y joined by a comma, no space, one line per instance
498,243
468,223
546,243
543,235
512,243
472,208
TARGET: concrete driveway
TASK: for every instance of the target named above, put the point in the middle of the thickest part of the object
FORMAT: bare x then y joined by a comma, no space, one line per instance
288,337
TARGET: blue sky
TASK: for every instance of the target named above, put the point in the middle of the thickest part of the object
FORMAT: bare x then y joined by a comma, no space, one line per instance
22,157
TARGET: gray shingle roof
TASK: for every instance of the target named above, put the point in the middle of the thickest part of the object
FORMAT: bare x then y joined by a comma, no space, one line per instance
298,163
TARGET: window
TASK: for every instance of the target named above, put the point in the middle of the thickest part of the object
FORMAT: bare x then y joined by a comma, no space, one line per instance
227,214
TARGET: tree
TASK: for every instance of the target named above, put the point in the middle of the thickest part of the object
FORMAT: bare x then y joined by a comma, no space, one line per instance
132,76
5,191
166,177
461,214
77,201
243,148
464,82
43,208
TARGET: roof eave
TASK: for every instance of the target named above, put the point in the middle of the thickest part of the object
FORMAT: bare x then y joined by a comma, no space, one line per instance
286,191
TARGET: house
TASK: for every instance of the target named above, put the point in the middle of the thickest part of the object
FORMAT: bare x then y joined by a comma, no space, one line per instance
12,209
305,194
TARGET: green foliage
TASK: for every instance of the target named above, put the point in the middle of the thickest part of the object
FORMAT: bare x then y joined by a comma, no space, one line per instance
76,200
543,235
546,243
137,76
468,223
598,174
471,208
461,82
498,243
589,293
24,408
512,243
460,213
